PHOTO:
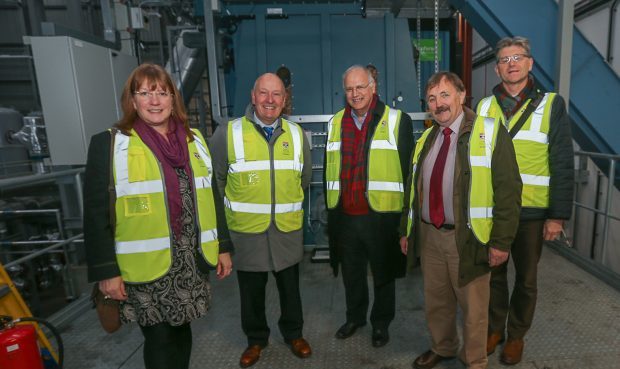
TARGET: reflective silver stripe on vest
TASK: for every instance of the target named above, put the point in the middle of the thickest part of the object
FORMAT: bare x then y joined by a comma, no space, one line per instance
385,186
123,186
333,146
237,131
203,182
208,235
476,213
533,180
263,165
533,133
486,104
132,247
391,143
489,132
245,207
333,185
479,161
297,146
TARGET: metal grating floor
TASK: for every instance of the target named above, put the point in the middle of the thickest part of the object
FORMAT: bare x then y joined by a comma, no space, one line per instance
577,326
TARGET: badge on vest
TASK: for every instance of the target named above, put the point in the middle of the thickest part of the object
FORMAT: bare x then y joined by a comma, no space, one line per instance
200,162
285,147
250,179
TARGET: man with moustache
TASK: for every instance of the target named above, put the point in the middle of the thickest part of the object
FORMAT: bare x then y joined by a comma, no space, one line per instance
540,130
464,193
367,158
263,163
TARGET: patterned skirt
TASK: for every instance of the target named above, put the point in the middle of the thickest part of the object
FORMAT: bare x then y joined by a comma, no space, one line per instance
184,293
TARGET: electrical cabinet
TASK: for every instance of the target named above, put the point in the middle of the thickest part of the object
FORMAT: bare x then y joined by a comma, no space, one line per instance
80,86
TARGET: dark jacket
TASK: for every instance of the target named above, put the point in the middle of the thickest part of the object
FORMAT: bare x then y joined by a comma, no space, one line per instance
98,233
561,164
473,256
388,222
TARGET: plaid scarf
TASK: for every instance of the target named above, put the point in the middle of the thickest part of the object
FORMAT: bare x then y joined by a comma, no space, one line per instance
509,104
353,176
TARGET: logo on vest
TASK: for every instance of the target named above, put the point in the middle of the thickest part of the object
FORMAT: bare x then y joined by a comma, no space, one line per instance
285,147
197,155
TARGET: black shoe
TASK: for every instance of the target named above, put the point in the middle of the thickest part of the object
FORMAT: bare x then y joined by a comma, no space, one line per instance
380,337
348,329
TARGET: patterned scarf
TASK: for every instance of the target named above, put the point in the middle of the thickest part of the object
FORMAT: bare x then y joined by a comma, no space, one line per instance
172,153
509,104
353,176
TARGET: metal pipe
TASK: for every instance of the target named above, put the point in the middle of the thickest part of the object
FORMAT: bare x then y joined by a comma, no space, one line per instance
38,242
595,210
43,251
79,193
610,187
29,211
37,178
598,155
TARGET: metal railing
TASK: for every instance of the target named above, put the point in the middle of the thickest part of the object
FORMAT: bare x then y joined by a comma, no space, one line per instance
606,211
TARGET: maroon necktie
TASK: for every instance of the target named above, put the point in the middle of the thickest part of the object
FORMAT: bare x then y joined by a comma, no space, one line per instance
435,193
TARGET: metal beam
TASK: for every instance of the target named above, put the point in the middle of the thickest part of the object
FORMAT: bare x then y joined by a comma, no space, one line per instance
566,11
214,90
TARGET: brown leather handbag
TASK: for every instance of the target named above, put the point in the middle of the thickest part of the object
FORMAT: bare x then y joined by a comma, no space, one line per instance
108,310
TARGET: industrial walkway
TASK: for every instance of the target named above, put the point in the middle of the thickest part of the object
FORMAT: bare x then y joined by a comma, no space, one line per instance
577,326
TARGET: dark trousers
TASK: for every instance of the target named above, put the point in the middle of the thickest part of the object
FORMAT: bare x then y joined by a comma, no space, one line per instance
362,242
167,346
515,313
252,292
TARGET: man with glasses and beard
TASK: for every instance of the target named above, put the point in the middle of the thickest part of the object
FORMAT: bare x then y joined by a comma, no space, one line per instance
366,163
540,131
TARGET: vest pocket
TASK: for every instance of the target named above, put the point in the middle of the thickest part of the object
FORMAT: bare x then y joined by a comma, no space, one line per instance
137,205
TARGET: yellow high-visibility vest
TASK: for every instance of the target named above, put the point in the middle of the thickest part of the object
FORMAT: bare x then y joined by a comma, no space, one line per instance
480,206
254,171
531,147
143,236
385,188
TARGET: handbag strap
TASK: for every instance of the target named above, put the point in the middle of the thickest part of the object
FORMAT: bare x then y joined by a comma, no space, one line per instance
111,186
528,111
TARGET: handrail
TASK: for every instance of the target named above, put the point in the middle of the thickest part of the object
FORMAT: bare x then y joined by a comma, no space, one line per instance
43,251
37,178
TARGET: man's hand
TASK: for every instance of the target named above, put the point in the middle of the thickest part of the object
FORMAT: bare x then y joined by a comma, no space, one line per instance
224,265
497,257
552,229
403,245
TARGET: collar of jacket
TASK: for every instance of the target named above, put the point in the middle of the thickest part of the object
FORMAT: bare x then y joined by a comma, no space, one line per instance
249,115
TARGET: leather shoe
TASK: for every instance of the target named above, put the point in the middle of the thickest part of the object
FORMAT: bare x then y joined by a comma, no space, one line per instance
250,356
493,340
348,329
428,360
513,351
301,348
380,337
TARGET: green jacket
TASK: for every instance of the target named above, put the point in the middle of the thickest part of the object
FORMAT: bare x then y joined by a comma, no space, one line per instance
474,259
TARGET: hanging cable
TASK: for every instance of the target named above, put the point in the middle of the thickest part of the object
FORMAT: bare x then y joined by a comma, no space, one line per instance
436,36
419,47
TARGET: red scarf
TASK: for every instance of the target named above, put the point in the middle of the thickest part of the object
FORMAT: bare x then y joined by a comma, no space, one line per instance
172,154
353,177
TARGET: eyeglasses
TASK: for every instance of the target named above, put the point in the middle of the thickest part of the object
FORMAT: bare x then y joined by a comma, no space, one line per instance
516,58
358,89
150,94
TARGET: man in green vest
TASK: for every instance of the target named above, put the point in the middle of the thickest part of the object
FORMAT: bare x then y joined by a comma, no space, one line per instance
462,213
540,130
263,163
366,162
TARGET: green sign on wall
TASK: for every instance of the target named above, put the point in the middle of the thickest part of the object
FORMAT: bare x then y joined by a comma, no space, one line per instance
427,49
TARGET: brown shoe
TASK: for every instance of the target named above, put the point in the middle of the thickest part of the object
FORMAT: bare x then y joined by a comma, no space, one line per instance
493,340
250,356
428,360
513,351
301,348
